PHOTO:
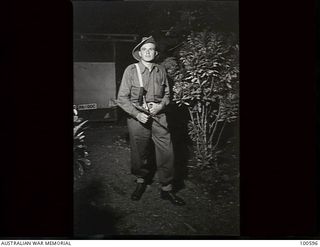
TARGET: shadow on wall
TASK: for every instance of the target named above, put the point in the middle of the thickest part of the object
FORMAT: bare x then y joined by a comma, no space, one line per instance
91,219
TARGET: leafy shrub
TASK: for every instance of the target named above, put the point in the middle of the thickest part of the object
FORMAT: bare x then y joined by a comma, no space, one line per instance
80,154
206,80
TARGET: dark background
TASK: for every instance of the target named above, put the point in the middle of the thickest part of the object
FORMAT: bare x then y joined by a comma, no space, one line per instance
143,18
278,120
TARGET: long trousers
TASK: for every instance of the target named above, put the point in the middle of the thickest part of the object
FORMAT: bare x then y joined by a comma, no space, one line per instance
141,137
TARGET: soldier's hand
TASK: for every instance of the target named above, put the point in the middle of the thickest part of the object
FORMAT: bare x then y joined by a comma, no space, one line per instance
143,118
155,108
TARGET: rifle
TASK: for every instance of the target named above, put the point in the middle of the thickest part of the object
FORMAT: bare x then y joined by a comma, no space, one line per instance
147,111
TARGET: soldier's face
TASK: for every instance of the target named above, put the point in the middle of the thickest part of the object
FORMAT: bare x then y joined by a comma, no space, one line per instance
148,52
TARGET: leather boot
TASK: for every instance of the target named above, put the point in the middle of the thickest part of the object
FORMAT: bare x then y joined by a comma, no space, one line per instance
140,189
175,200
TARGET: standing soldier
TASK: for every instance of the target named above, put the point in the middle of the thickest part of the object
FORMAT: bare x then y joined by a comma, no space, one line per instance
144,94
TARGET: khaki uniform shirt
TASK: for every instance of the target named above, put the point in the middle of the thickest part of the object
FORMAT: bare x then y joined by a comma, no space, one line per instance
154,82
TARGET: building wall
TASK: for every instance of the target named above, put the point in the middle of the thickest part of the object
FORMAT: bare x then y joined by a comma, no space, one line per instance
94,83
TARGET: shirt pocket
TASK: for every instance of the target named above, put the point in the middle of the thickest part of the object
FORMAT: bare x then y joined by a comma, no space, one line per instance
159,89
134,93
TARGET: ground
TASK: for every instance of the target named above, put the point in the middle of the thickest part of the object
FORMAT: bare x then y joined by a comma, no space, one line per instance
102,205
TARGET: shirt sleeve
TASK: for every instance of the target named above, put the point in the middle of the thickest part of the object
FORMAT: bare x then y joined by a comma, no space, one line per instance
123,99
166,98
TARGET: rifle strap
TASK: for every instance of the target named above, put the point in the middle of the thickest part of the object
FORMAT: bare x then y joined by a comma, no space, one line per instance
139,74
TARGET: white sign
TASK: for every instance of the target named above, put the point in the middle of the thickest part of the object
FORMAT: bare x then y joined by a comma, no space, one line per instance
91,106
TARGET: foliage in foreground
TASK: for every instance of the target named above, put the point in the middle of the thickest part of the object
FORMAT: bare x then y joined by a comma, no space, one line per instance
80,154
206,80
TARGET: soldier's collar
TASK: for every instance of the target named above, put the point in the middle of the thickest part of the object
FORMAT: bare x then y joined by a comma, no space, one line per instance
143,68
